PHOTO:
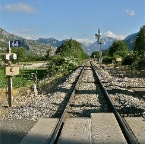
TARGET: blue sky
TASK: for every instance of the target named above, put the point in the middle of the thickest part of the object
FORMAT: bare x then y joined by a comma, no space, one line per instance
77,19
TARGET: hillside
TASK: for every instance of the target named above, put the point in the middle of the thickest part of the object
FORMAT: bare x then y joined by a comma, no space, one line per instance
52,41
5,38
32,46
130,40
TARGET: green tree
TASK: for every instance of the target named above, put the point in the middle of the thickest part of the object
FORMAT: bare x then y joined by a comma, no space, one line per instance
139,47
128,60
68,56
71,48
21,53
95,54
48,54
58,64
106,57
118,49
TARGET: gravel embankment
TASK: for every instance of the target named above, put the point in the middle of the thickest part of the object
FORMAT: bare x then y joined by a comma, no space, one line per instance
16,123
122,93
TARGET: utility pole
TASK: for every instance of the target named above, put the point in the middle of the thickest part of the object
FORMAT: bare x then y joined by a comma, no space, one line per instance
98,36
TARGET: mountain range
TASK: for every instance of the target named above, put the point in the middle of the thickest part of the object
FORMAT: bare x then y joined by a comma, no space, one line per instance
90,47
32,46
41,45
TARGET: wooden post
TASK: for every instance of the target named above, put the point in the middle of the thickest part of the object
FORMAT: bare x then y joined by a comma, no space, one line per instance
9,81
10,91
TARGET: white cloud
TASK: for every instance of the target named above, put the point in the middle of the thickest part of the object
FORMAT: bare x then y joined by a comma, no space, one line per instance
27,33
130,12
87,42
82,40
110,34
25,30
27,36
19,7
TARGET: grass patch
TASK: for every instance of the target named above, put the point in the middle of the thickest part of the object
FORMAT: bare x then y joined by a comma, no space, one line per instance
3,79
24,78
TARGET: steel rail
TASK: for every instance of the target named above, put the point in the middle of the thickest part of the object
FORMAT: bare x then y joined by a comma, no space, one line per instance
64,115
130,137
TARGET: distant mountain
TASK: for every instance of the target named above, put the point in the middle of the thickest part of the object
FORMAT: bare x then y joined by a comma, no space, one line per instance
107,42
41,45
32,46
52,41
130,40
91,47
87,46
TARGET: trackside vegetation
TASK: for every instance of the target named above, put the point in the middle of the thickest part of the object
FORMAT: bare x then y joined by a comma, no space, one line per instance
25,78
68,56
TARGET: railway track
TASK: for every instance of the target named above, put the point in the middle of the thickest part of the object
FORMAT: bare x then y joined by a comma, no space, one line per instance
88,95
79,107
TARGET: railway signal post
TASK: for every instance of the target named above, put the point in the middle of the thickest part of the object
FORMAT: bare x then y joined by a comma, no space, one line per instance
11,70
98,36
